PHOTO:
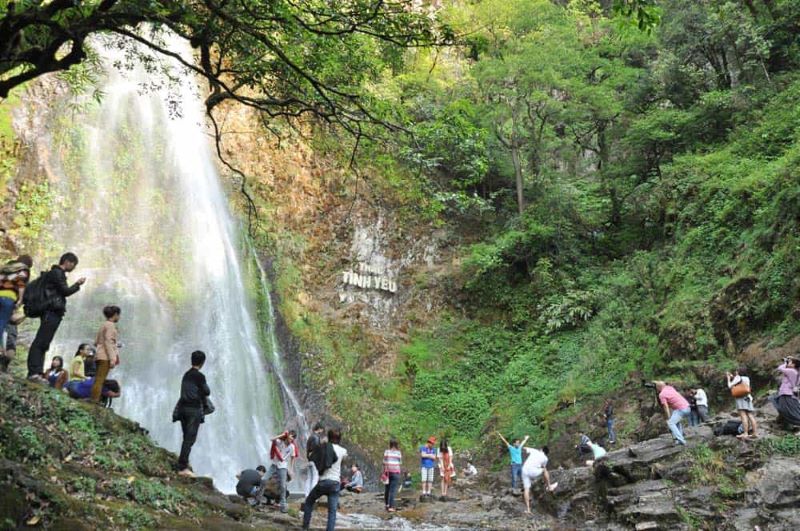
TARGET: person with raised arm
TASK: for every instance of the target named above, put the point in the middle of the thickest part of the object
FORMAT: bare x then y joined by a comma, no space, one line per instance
515,453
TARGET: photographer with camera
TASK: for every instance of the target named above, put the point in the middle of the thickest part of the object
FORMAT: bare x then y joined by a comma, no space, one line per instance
671,399
786,401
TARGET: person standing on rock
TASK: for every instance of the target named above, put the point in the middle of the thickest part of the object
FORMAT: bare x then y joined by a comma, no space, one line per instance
671,399
700,414
314,440
427,455
189,410
515,453
107,343
57,291
13,278
739,384
329,485
786,402
392,461
608,415
446,467
535,466
283,452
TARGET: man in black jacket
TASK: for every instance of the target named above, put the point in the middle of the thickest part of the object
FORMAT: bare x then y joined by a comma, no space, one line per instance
57,291
194,393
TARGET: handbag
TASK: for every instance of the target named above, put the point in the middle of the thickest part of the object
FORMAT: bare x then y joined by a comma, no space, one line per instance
208,407
385,478
740,390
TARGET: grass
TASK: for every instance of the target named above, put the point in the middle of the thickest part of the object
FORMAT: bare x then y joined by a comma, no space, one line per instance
80,462
788,446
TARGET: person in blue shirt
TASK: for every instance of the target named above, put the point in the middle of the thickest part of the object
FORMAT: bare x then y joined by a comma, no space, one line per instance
515,452
428,456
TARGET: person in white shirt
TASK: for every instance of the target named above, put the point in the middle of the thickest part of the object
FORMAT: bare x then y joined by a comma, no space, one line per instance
283,454
534,467
701,401
330,482
470,471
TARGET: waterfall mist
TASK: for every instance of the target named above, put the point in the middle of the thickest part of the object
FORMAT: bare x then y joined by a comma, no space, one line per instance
139,200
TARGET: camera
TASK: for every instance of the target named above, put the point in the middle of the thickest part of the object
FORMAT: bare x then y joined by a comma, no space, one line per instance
649,385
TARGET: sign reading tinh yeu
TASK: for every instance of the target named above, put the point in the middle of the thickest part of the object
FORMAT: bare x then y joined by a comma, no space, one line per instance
370,277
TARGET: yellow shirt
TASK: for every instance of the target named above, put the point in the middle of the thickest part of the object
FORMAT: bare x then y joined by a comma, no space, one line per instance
76,369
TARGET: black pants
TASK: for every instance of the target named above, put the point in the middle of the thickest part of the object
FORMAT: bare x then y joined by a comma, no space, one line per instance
48,326
190,423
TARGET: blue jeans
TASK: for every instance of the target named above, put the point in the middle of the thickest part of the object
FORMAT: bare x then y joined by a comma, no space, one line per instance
516,473
391,489
612,435
326,487
6,311
282,475
674,423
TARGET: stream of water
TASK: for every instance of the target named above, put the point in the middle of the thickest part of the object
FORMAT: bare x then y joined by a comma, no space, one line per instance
139,200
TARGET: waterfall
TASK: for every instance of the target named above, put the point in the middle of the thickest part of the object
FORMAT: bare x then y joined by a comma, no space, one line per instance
139,200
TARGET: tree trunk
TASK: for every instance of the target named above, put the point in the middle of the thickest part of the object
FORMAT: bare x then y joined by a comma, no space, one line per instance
518,174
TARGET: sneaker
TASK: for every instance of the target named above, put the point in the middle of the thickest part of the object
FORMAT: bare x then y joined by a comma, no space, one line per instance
37,379
186,472
284,510
552,487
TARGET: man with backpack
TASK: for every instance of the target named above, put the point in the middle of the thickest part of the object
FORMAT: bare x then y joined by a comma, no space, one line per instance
328,460
46,298
14,277
314,440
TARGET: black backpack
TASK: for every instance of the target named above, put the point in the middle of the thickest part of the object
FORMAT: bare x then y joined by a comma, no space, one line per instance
730,427
324,457
35,299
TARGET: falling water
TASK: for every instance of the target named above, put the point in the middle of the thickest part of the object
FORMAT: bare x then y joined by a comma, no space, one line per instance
140,201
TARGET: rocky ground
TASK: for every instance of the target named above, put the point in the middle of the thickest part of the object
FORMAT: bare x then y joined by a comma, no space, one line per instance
712,483
65,464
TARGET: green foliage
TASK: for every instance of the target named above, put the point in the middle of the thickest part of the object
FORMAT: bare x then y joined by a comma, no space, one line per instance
136,518
155,494
32,210
28,444
787,445
84,485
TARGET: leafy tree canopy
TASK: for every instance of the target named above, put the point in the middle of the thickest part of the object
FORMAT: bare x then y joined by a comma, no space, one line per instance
285,57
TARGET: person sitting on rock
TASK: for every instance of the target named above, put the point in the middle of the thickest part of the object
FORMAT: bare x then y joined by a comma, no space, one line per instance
671,399
56,376
785,401
470,471
583,447
598,452
89,363
356,483
77,369
535,466
251,485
